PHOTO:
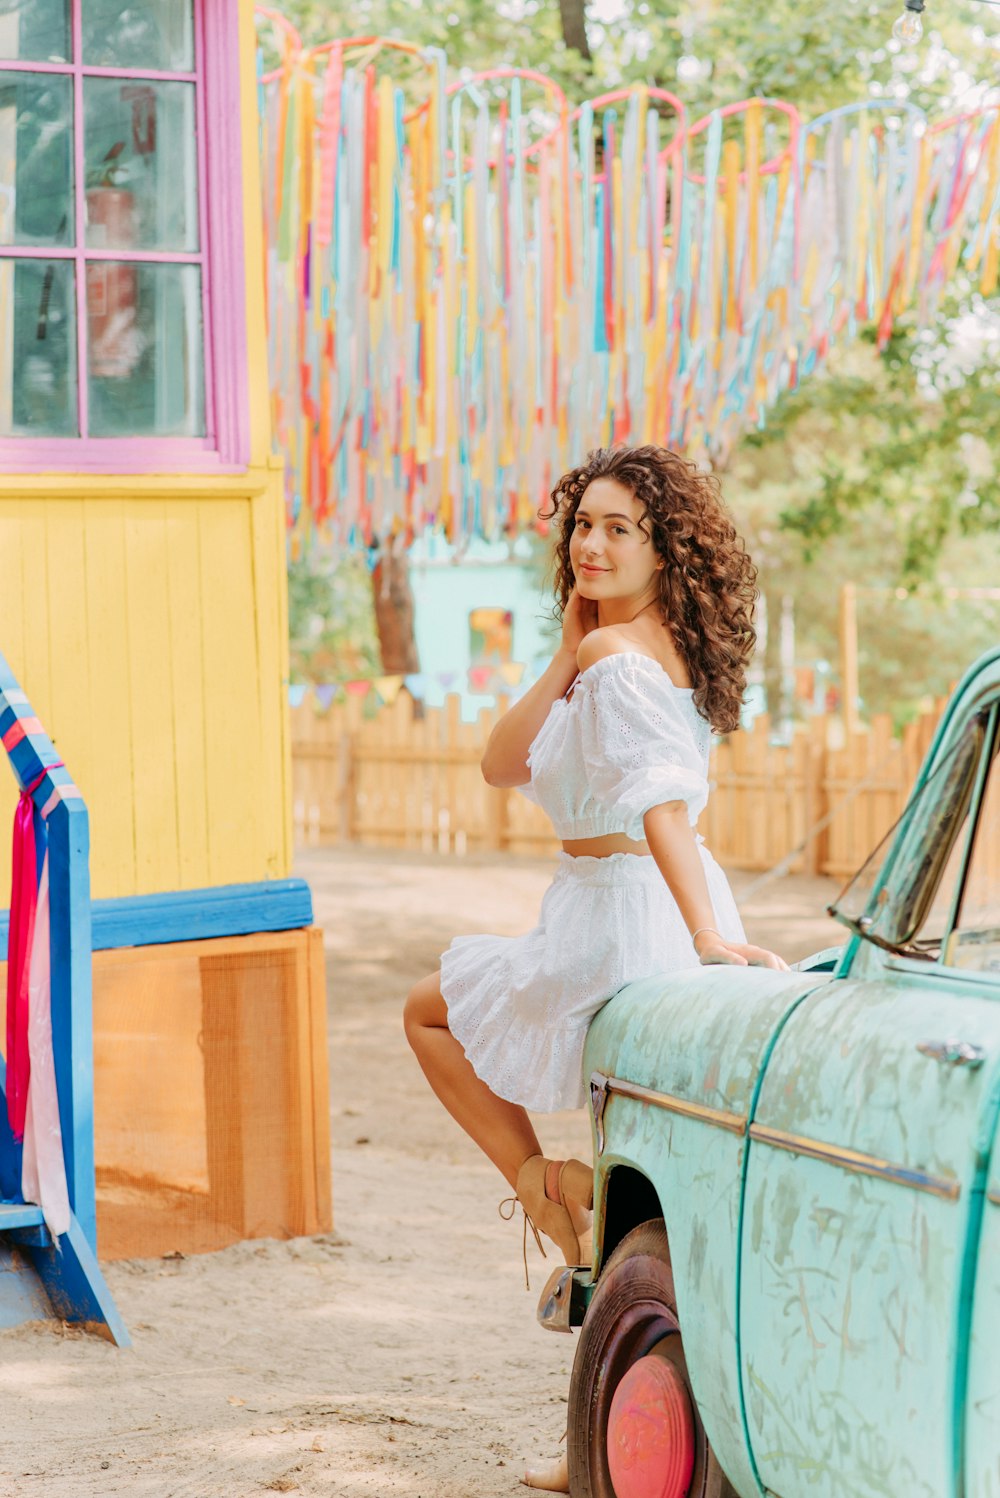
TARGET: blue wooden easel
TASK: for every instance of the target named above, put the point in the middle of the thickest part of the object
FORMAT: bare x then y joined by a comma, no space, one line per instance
45,1276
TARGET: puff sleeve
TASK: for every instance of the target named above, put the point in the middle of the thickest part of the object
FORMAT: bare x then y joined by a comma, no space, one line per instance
638,741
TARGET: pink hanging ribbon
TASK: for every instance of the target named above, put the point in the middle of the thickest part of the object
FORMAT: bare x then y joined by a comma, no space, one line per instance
23,904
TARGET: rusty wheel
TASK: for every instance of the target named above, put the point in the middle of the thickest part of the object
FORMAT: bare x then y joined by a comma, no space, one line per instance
634,1428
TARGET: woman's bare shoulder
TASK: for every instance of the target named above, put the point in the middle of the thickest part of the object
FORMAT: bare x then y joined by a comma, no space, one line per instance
616,639
607,640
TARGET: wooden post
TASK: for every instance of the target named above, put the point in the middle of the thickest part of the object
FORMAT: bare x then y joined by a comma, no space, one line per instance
345,785
497,801
815,802
849,656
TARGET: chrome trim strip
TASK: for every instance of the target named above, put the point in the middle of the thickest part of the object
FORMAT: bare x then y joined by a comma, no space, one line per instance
852,1160
735,1122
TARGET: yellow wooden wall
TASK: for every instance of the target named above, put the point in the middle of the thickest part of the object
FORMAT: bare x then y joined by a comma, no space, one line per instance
145,617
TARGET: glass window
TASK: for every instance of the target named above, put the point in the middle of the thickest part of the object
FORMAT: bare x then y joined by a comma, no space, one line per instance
144,349
127,239
36,159
157,35
38,346
139,146
490,635
911,909
34,31
975,941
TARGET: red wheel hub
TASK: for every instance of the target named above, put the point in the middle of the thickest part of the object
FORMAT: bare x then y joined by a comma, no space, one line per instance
651,1432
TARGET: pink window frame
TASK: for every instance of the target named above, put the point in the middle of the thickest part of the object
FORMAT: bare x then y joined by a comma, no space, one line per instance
225,448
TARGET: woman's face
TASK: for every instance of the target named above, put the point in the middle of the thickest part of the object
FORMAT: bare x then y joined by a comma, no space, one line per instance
610,556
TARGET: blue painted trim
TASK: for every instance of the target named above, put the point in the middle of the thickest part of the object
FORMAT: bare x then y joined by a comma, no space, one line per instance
67,1271
19,1215
72,1279
195,914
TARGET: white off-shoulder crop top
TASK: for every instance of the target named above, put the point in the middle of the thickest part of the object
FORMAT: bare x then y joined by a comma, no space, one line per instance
625,740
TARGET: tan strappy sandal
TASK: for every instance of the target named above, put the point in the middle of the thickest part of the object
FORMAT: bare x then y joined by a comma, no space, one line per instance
576,1180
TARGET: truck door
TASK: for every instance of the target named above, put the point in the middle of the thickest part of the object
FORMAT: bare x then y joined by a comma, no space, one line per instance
866,1173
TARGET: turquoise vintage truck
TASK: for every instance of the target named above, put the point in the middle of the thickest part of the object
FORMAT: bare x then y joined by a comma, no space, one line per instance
796,1280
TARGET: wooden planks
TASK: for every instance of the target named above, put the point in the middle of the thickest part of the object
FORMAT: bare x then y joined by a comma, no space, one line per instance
382,775
211,1093
149,633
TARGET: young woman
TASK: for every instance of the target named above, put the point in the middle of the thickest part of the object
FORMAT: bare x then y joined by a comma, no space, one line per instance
656,594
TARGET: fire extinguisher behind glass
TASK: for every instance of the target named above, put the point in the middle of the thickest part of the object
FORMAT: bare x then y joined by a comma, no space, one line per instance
115,343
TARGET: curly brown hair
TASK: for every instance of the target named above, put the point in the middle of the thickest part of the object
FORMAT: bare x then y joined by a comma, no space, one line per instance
708,586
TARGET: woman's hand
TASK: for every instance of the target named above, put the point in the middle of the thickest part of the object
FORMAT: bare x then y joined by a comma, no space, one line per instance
579,618
713,949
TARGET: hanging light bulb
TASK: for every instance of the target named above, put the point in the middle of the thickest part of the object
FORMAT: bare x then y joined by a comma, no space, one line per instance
909,28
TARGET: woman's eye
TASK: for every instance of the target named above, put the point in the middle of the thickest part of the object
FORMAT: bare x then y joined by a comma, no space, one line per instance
619,530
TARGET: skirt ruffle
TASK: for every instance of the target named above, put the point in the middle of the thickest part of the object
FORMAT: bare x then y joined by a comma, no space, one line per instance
520,1006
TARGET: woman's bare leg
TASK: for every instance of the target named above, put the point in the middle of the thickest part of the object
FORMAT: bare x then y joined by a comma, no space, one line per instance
502,1130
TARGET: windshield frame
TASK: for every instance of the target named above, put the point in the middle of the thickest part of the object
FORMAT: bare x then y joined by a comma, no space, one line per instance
915,859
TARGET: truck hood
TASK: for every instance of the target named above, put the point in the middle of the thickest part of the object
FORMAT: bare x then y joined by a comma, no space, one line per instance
702,1037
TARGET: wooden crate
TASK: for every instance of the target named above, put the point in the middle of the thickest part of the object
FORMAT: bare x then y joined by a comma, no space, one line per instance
211,1111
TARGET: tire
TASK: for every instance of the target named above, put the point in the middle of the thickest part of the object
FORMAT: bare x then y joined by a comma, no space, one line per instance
633,1314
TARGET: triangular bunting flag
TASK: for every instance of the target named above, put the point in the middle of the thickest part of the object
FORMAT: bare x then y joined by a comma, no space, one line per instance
296,693
324,696
479,677
357,688
416,685
388,688
512,671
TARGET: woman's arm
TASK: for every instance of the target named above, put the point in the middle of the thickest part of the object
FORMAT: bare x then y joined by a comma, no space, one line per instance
505,758
672,843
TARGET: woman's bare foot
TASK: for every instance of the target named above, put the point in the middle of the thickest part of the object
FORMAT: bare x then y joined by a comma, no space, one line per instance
552,1477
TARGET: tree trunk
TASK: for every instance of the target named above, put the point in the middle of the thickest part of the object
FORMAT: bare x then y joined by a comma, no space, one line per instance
573,15
393,599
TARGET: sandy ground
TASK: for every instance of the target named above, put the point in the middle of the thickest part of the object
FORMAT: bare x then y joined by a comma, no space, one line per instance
398,1355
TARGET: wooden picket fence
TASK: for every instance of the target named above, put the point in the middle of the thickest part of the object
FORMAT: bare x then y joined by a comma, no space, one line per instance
396,780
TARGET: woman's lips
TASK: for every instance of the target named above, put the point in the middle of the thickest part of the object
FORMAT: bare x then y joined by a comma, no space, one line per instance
584,568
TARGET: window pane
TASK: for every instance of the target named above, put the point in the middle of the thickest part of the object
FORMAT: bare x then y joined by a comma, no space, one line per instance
139,146
36,159
34,30
913,905
976,943
145,350
37,349
155,34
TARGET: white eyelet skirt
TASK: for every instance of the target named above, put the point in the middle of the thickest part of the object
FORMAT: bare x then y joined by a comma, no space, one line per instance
520,1005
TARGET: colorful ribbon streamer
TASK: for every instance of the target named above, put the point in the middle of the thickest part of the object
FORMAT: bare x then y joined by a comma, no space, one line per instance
467,290
23,906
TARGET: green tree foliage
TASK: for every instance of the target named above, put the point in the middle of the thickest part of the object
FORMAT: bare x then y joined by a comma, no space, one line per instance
915,433
883,470
474,34
331,621
813,53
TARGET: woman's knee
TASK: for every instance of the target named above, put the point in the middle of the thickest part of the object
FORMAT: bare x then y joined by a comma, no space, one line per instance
424,1007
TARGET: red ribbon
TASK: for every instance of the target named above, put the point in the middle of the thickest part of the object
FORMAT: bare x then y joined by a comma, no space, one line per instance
23,903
